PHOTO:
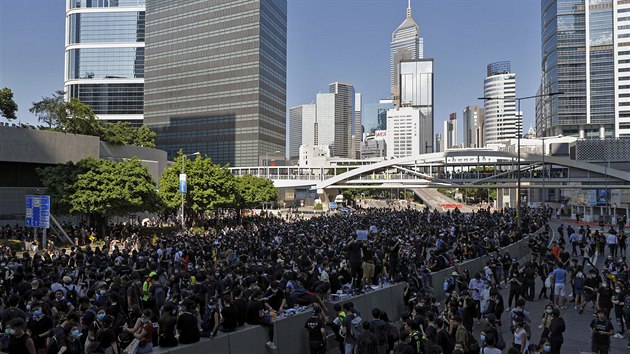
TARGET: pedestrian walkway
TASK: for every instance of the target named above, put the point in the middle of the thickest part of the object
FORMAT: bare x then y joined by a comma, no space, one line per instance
577,337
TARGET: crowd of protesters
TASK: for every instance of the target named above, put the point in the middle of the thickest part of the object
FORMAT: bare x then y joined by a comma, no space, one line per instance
173,288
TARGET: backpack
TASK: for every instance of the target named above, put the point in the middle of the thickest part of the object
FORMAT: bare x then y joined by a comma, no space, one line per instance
417,341
578,282
392,331
71,295
626,304
380,331
356,328
400,348
472,343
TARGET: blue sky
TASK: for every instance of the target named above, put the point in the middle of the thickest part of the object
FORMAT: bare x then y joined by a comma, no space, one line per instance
328,40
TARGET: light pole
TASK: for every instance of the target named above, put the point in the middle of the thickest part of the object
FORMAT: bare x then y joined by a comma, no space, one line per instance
544,170
518,145
182,186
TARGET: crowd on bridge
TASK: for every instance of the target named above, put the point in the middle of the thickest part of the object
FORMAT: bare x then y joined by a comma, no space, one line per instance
138,292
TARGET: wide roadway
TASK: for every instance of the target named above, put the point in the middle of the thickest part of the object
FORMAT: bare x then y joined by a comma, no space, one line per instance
577,337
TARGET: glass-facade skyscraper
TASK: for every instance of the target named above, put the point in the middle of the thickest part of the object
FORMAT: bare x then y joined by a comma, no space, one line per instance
406,45
579,45
216,77
104,57
416,91
501,120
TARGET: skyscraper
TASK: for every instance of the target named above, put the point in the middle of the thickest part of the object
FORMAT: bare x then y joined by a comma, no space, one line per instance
416,91
450,131
501,121
406,44
104,57
344,118
302,125
374,115
216,77
357,127
585,56
473,127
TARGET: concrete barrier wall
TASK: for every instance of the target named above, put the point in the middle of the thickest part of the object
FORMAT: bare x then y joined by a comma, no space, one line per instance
290,335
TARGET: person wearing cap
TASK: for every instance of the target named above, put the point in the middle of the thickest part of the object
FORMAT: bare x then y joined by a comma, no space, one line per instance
316,327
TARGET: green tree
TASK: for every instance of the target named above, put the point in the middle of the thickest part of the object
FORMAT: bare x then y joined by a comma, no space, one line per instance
8,107
51,110
209,185
80,119
252,191
144,137
122,133
101,188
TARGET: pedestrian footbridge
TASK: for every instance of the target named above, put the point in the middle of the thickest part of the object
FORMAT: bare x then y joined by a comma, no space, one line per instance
472,168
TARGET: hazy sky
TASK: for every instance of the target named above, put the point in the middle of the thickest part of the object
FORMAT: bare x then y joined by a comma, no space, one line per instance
328,40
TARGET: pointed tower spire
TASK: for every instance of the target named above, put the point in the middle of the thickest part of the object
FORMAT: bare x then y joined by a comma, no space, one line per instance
408,8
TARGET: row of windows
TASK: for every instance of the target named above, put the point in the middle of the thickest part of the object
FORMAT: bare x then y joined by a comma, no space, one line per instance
111,98
106,27
104,63
76,4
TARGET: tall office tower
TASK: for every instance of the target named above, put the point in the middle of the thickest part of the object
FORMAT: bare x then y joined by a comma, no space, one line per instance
450,131
216,77
357,127
473,127
344,118
302,126
584,43
416,91
104,57
406,44
501,121
375,115
403,129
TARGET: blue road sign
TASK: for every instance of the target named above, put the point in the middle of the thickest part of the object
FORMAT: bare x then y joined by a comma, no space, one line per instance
37,211
332,205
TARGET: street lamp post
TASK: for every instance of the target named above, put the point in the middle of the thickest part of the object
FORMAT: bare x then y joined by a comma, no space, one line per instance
544,170
518,145
183,188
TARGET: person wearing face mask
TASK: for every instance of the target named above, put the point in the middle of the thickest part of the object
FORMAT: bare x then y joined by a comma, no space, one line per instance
145,333
19,341
93,329
61,303
40,327
556,330
618,304
604,298
590,289
105,338
602,329
546,321
74,342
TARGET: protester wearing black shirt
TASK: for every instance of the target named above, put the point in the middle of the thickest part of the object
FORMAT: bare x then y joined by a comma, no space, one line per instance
602,329
367,343
241,305
316,332
229,314
187,324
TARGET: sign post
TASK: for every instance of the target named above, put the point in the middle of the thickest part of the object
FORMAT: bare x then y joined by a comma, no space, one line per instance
38,214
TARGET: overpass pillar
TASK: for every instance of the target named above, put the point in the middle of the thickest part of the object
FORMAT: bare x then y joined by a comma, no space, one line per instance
327,196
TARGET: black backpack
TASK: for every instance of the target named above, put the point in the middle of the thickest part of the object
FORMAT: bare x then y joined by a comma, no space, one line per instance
626,304
472,343
392,331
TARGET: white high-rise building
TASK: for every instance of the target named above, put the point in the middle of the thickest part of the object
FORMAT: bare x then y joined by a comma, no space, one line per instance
501,119
104,57
357,127
302,127
406,45
404,132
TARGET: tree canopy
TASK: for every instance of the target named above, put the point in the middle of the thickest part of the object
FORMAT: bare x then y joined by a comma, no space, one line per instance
76,117
252,191
122,133
101,188
8,107
212,186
